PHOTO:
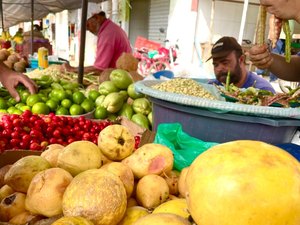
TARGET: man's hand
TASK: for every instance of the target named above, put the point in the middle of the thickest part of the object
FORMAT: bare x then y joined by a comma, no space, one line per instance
260,56
12,79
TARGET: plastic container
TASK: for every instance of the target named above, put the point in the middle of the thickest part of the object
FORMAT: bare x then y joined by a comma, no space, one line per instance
223,127
34,63
291,148
43,58
163,73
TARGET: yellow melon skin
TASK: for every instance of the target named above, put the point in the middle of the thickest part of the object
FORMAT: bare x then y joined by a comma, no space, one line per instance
162,219
175,206
244,183
96,195
72,220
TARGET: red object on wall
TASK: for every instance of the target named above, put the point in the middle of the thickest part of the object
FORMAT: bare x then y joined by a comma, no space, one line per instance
194,6
142,42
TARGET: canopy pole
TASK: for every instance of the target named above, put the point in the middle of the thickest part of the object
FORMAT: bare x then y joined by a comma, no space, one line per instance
82,41
244,15
32,18
2,16
212,17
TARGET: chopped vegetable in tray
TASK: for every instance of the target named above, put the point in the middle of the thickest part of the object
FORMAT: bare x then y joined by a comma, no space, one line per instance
254,96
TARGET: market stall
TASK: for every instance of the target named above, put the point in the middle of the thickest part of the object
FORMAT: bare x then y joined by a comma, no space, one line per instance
123,149
30,10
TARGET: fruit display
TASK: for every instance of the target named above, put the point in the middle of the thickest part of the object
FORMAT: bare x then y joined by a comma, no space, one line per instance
219,187
36,132
91,186
117,97
13,60
62,96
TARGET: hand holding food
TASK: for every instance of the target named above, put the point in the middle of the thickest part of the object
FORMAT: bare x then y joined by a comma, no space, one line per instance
10,79
260,56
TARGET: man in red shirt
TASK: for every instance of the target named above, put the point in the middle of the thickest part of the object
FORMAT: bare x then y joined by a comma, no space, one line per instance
112,42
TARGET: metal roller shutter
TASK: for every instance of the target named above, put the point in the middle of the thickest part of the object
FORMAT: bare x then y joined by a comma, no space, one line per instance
158,18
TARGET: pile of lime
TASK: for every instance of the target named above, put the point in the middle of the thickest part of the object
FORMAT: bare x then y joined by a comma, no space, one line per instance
60,97
114,97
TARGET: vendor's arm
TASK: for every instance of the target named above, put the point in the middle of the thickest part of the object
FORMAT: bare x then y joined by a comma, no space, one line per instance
87,69
283,9
10,79
276,64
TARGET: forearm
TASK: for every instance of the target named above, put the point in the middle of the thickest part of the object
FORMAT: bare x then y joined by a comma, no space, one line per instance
286,71
87,69
91,69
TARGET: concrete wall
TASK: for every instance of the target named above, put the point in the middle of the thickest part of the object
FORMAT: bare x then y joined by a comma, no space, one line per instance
139,19
193,30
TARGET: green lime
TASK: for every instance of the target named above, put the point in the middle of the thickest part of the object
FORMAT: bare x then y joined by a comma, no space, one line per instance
76,110
69,94
66,103
52,104
41,94
44,98
19,105
17,111
93,95
45,91
40,108
12,101
46,78
100,112
3,104
11,109
54,93
24,108
24,95
78,97
3,111
61,94
88,105
32,99
55,99
62,111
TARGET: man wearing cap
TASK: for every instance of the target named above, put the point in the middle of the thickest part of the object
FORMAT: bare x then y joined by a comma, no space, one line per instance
227,55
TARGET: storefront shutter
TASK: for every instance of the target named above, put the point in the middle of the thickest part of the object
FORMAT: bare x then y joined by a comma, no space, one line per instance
158,19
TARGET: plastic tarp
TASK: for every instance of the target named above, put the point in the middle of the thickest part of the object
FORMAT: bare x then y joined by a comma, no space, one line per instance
17,11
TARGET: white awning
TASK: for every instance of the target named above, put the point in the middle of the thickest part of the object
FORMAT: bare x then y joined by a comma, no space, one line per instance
17,11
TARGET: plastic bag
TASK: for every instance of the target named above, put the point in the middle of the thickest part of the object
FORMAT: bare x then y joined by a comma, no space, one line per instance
185,148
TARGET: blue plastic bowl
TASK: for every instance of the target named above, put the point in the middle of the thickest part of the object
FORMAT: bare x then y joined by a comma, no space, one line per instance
164,73
291,148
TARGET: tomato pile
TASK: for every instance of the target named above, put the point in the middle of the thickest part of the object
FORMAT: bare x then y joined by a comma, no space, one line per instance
35,132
